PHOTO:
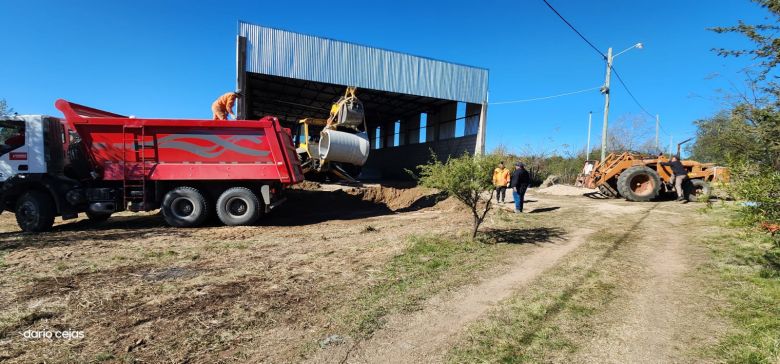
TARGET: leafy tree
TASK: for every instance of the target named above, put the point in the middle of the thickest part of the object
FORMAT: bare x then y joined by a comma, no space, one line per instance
747,136
767,45
724,138
761,186
467,178
756,117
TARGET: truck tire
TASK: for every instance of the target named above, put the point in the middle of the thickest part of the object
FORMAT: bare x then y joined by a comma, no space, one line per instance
698,190
239,206
97,217
184,207
35,212
639,183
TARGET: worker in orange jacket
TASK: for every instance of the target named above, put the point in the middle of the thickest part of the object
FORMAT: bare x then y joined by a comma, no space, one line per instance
501,181
224,106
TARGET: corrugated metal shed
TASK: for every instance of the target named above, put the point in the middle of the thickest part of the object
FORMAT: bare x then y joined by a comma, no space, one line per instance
287,54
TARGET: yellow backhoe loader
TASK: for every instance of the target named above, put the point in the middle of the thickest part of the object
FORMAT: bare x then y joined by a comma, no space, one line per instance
335,148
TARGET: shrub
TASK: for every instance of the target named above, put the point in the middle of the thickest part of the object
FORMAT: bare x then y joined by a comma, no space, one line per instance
467,178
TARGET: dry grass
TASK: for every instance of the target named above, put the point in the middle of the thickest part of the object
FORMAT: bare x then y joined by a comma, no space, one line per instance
143,291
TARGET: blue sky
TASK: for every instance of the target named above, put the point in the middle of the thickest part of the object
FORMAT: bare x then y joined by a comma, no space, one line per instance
172,58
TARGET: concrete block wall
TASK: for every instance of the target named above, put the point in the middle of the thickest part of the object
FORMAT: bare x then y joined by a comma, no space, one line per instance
391,163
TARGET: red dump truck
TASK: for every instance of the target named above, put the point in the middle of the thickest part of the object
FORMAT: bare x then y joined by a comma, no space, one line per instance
98,163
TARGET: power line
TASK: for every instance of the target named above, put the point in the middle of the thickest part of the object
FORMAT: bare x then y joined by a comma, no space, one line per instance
630,93
620,79
575,30
545,97
664,130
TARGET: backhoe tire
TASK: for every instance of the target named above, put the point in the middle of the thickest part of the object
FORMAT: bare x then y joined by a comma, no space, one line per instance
639,183
239,206
185,207
98,217
35,212
698,190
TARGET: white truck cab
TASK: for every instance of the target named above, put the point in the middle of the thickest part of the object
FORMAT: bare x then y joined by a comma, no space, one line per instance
22,145
33,183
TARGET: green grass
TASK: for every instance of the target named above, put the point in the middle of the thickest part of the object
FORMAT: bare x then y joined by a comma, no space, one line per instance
103,357
544,321
743,262
429,265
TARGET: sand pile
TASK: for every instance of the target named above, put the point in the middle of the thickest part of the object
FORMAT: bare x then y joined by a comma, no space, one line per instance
330,199
564,190
451,204
393,198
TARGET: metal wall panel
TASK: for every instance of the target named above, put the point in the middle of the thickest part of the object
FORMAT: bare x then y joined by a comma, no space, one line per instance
287,54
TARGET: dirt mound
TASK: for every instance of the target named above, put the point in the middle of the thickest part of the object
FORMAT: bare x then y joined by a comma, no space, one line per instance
307,185
564,190
550,181
393,198
314,206
450,204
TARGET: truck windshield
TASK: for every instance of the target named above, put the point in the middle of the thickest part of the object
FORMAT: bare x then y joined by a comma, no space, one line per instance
11,135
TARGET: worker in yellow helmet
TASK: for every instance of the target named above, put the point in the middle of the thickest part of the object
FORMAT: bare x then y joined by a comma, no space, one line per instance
224,106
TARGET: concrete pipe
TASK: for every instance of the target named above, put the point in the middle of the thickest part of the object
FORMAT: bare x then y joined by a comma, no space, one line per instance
338,146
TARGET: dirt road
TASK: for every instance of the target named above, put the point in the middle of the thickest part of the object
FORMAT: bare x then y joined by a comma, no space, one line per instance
426,335
274,293
659,319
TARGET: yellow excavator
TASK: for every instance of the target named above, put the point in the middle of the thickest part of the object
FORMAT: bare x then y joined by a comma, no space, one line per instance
335,148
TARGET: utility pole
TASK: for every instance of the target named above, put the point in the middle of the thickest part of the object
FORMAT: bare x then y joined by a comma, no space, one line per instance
590,121
605,90
670,147
657,127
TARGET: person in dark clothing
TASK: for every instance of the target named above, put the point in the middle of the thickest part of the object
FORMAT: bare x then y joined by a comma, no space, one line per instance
519,184
679,175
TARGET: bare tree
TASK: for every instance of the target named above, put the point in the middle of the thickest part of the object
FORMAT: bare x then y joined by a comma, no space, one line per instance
5,109
631,133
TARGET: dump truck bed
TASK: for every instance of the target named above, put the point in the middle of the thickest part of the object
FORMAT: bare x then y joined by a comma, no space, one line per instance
125,148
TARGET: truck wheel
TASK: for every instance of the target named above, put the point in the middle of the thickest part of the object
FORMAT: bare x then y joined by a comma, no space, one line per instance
639,183
699,190
184,207
238,206
35,212
97,217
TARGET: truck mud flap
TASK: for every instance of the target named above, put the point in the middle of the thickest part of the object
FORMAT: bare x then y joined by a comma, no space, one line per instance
276,204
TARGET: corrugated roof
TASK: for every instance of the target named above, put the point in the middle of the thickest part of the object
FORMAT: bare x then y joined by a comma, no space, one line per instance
288,54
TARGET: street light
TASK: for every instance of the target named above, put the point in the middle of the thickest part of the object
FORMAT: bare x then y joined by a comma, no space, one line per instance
637,46
605,91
